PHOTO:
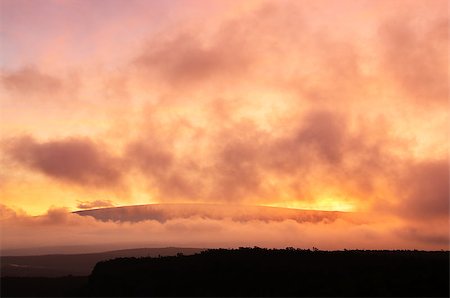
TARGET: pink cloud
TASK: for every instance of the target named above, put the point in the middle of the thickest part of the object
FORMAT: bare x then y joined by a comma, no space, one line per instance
75,160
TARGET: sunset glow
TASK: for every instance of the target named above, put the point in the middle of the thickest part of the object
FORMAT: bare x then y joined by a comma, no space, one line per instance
313,105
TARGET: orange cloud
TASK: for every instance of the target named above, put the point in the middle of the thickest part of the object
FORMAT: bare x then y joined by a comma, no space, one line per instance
60,228
424,190
416,60
311,105
31,80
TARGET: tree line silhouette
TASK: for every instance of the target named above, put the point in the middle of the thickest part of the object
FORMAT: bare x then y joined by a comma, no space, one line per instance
273,272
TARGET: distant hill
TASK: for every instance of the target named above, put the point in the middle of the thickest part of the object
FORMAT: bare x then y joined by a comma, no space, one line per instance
76,264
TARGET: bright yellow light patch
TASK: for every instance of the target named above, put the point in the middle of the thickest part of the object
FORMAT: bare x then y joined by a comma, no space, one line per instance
323,204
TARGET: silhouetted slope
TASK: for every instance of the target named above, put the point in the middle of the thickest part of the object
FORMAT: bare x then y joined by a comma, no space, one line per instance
76,264
261,272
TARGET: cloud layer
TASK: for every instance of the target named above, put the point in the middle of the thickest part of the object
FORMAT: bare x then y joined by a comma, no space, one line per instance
61,228
77,161
287,103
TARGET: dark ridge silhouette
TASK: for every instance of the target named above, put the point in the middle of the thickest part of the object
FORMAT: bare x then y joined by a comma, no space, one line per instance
255,272
58,265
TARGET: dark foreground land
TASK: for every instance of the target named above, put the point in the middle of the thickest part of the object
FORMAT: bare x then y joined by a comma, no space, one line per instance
254,272
57,265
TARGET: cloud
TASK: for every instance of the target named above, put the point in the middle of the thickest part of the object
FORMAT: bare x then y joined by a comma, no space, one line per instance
31,85
439,236
320,134
184,59
317,149
158,163
94,204
307,146
283,103
239,213
59,227
424,188
55,216
29,80
417,59
223,54
9,213
73,160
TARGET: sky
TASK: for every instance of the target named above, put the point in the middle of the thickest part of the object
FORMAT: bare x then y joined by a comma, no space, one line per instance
319,105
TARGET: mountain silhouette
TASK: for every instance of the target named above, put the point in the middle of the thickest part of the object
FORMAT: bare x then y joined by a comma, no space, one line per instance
241,213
